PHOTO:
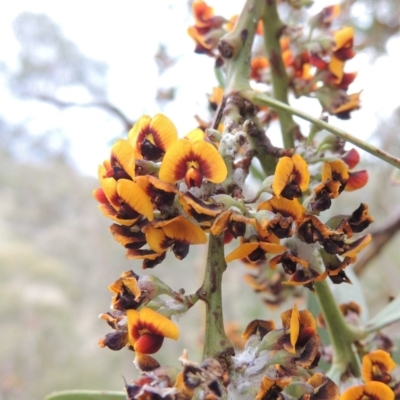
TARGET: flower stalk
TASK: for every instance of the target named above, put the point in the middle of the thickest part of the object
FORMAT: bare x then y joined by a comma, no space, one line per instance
341,334
273,28
216,344
263,99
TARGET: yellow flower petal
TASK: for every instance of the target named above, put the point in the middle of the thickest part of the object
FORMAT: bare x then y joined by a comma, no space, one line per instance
159,131
131,193
294,326
109,186
301,168
283,171
344,37
211,164
285,207
370,391
123,155
156,239
173,167
184,155
110,212
151,321
182,230
242,251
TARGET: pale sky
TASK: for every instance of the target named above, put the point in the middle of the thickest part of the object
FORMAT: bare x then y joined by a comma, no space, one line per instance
125,35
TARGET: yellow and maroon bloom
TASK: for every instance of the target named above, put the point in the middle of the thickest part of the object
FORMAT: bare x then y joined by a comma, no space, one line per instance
127,293
377,366
122,161
353,248
204,15
287,212
301,336
349,103
127,202
343,48
230,222
178,233
150,257
151,137
324,388
291,177
203,38
306,277
258,327
204,213
359,220
128,237
289,262
147,330
271,388
255,250
192,162
370,391
117,339
162,194
311,230
335,176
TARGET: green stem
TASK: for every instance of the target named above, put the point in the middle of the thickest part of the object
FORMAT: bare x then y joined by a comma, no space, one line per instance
273,28
341,335
239,43
216,344
263,99
237,59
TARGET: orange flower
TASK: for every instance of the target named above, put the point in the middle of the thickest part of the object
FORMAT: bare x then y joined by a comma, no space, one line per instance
335,176
122,200
370,391
301,337
256,247
324,388
291,177
147,330
204,15
287,212
177,232
376,366
192,162
270,388
351,103
151,137
258,327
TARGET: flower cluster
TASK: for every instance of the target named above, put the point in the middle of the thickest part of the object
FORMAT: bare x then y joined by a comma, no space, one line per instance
313,55
139,189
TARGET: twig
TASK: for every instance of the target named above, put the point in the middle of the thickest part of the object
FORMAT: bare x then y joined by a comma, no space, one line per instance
98,104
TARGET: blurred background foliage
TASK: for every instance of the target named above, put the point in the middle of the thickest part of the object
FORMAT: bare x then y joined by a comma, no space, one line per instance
56,254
